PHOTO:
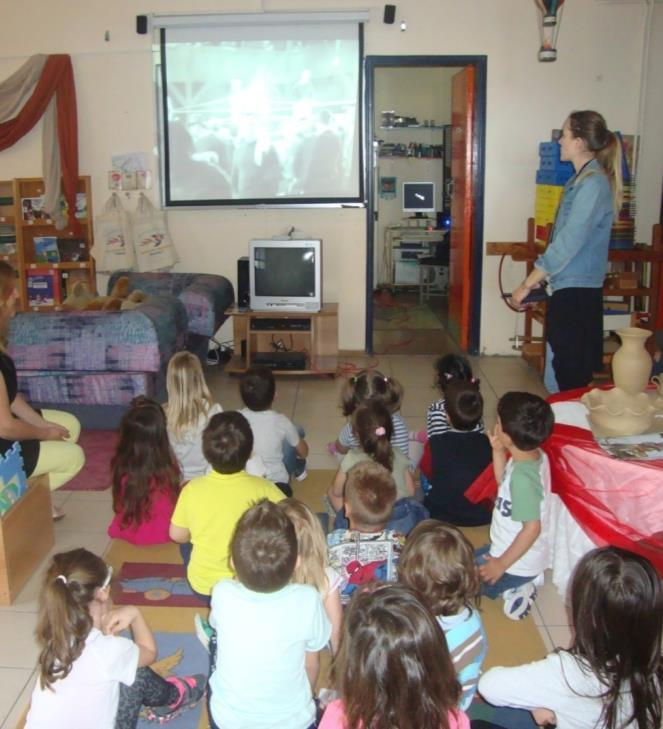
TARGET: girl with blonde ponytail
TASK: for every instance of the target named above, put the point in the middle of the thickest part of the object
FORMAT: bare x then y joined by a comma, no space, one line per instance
576,258
89,676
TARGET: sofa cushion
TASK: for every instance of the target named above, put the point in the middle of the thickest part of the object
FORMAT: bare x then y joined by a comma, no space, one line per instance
84,388
139,340
205,296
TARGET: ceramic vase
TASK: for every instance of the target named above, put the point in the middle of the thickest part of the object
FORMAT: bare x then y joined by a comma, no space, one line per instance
631,363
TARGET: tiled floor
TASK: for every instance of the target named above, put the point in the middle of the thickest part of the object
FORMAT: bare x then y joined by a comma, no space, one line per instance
312,402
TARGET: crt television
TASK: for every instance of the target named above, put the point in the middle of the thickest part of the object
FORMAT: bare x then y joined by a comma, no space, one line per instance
419,198
285,275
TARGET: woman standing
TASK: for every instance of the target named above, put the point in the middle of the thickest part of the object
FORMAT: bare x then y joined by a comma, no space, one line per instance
576,258
48,440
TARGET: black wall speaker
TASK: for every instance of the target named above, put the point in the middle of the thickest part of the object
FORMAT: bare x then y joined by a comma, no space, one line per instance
389,14
243,293
141,24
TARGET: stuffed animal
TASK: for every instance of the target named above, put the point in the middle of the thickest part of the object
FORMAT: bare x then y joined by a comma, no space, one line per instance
82,299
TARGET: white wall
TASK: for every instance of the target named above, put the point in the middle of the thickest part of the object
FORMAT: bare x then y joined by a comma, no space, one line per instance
598,67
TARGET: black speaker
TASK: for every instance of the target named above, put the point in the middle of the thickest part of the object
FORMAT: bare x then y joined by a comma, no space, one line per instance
243,294
141,24
389,14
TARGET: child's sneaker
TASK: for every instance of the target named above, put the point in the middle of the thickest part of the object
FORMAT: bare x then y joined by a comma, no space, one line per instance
302,476
518,601
203,630
190,688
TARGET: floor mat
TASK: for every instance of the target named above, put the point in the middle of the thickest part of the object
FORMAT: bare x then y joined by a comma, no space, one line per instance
154,583
180,654
99,446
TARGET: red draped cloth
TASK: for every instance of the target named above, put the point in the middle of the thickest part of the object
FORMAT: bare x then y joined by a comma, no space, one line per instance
615,501
56,78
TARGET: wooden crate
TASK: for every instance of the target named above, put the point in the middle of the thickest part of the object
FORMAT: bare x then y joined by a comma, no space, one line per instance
26,535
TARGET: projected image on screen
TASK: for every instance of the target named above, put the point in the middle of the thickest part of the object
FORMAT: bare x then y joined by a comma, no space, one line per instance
262,114
284,272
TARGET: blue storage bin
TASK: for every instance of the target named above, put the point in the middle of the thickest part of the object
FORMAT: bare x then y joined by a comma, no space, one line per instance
553,177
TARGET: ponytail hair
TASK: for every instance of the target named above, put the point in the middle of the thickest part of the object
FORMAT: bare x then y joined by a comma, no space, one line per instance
371,385
64,619
590,126
372,424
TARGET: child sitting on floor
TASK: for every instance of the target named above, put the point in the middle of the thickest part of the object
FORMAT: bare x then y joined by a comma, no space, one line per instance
276,440
270,630
372,425
393,668
612,674
458,456
516,555
438,561
209,506
146,477
367,550
313,564
371,385
88,674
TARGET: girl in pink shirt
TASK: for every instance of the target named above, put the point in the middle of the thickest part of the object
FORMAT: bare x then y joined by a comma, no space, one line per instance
393,667
146,477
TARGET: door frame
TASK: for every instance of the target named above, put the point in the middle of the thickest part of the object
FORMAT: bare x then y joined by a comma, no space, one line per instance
480,64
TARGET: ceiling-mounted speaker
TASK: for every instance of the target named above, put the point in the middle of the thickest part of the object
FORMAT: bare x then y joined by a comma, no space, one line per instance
141,24
389,14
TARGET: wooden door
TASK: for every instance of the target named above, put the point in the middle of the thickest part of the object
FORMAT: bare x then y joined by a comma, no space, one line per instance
460,267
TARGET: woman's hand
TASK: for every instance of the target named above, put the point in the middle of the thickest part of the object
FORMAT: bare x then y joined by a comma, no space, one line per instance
53,431
519,294
544,716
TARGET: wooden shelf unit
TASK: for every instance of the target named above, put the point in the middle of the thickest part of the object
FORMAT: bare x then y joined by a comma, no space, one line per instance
24,261
645,261
319,342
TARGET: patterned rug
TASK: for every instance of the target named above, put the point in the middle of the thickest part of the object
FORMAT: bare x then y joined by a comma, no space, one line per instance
158,584
99,446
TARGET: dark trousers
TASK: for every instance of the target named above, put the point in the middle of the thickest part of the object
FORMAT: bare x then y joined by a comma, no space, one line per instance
149,689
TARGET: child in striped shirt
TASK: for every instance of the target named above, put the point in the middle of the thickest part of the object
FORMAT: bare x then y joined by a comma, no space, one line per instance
438,561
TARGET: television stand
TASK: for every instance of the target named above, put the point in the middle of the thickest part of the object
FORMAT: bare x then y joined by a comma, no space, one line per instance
270,332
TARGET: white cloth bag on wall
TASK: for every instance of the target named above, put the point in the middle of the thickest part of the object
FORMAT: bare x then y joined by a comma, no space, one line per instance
113,247
152,242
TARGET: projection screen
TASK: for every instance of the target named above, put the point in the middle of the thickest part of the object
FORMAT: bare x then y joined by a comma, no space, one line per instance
261,112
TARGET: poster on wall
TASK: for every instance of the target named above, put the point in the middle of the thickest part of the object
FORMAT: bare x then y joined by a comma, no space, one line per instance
387,188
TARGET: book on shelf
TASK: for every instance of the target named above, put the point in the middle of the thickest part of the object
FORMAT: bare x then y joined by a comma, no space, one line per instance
46,249
7,248
72,250
81,206
33,208
43,285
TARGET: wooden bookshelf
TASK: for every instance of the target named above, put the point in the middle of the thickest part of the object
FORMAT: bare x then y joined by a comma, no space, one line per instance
31,225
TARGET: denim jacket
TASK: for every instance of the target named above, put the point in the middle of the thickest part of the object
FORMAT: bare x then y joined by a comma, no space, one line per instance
578,253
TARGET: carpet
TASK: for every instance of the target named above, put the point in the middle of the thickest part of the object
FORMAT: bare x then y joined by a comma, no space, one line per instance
180,654
153,583
417,316
99,447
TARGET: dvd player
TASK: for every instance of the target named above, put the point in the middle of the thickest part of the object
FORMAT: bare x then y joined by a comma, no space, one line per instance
287,323
280,360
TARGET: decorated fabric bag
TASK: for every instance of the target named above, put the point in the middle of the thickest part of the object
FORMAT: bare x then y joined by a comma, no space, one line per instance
152,242
113,249
13,483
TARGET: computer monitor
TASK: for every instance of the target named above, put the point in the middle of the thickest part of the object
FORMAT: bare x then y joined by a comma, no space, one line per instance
419,198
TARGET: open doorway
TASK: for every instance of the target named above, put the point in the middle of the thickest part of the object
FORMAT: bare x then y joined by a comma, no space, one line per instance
418,253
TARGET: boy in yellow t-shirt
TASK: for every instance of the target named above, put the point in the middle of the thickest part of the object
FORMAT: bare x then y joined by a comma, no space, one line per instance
210,506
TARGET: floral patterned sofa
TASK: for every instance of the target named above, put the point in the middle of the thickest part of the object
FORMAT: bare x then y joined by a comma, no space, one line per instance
93,363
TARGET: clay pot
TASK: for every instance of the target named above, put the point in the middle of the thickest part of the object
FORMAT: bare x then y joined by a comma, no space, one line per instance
614,413
631,363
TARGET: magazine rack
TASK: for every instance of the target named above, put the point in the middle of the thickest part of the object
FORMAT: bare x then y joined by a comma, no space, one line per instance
48,261
26,536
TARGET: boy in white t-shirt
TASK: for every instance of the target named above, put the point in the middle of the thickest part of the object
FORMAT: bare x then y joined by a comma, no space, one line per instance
275,439
517,552
268,631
